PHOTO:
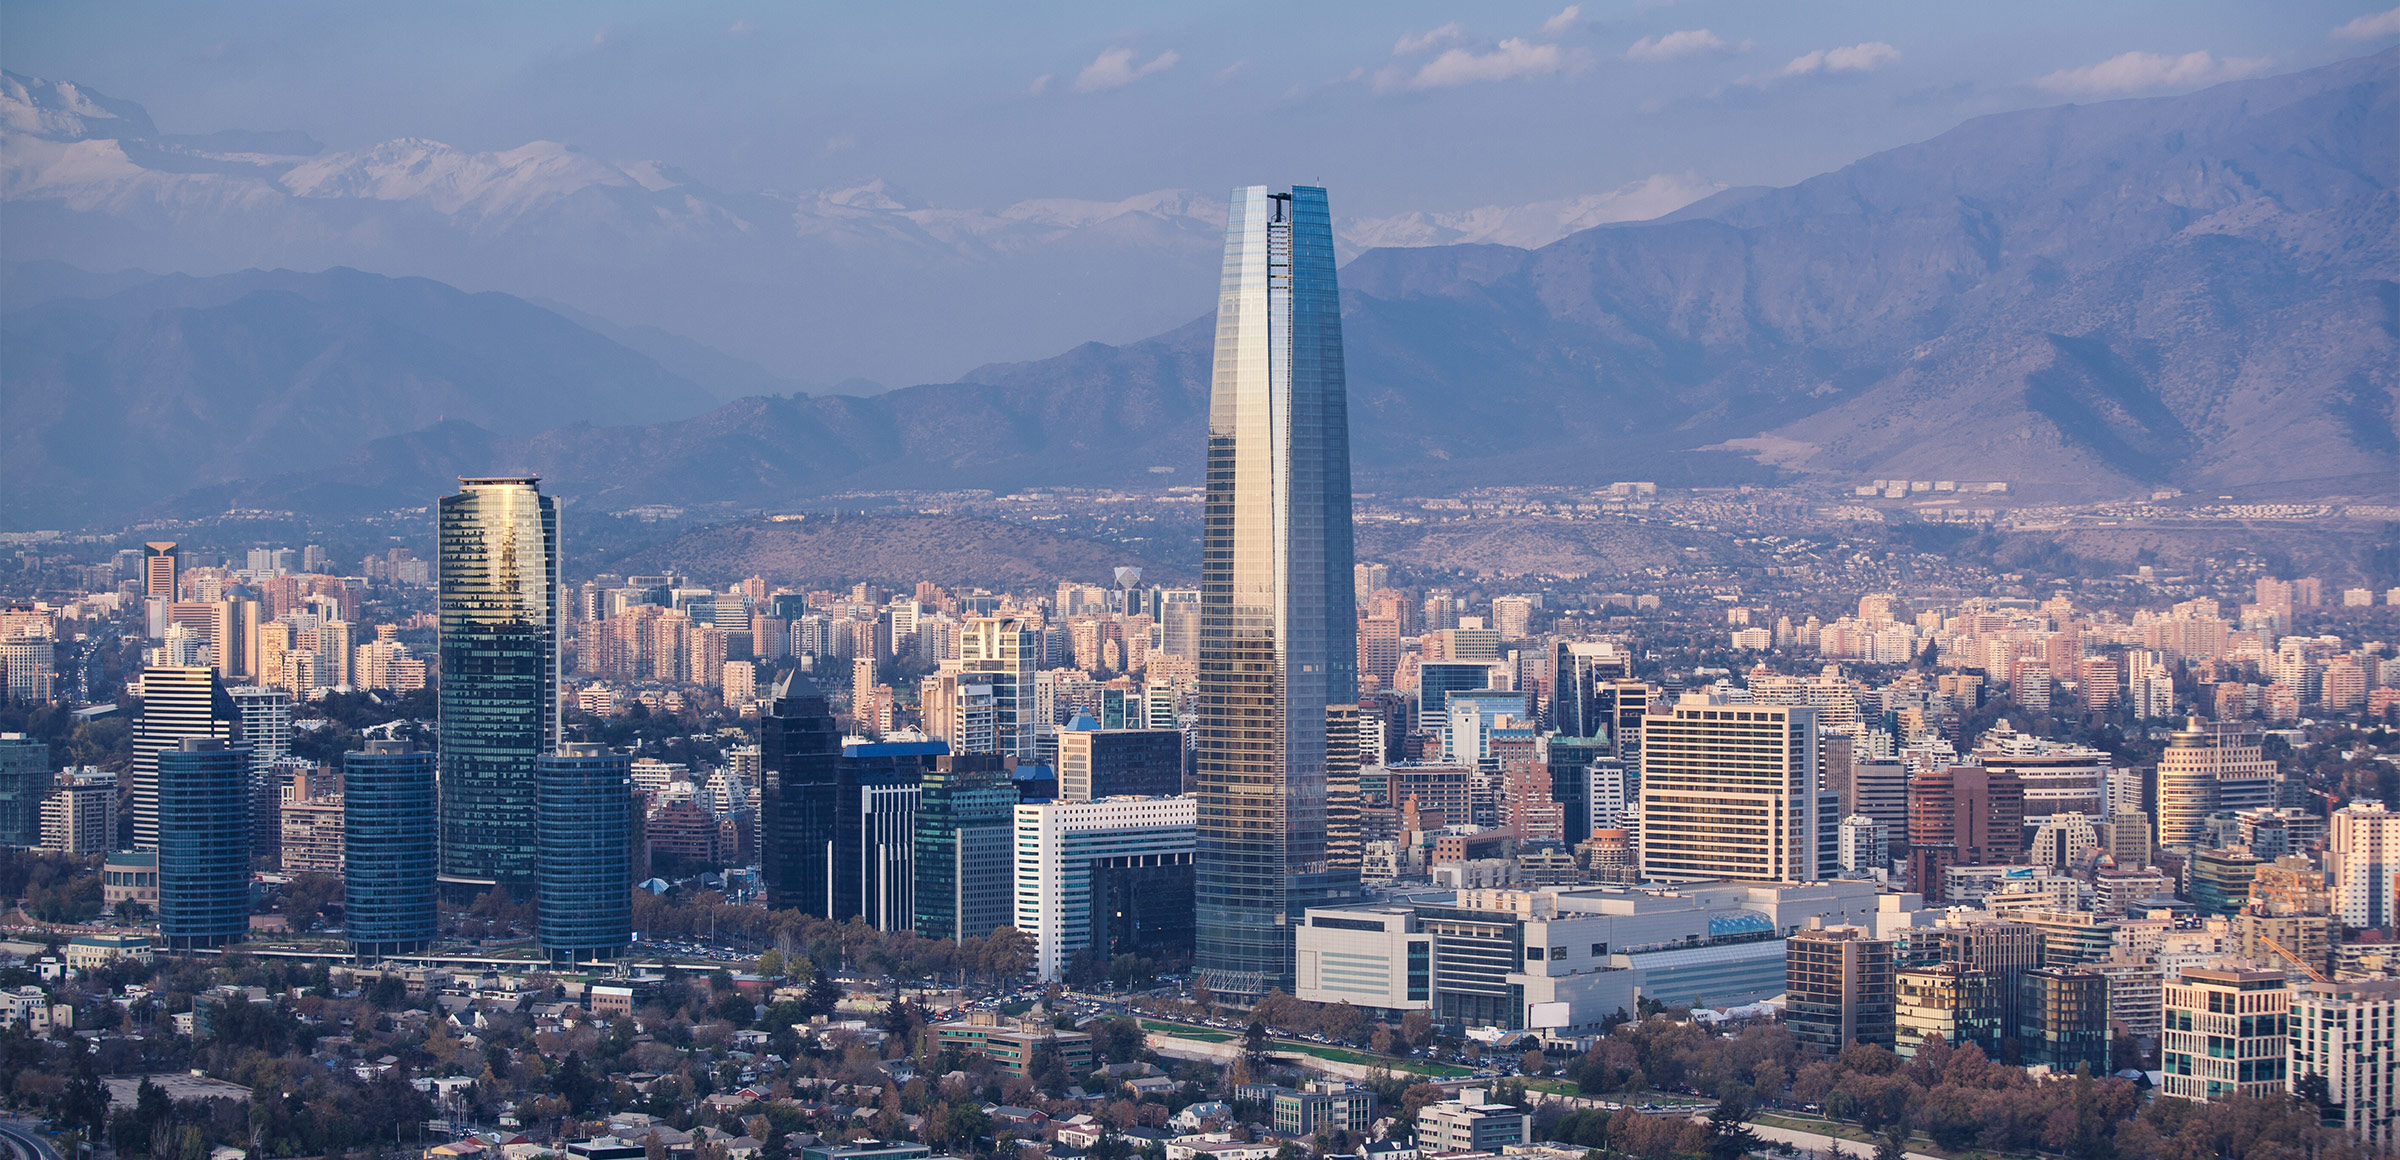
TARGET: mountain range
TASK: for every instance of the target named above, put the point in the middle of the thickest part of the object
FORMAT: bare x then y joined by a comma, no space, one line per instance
2200,291
846,287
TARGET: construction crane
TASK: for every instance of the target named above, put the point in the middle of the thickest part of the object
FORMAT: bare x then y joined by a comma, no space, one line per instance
2296,960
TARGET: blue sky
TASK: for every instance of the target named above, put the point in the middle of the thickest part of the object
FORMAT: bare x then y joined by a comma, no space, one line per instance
1399,106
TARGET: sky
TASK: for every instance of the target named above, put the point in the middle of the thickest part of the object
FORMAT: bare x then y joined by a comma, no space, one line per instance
1399,106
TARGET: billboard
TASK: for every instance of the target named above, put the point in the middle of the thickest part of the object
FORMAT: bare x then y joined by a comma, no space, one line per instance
1543,1016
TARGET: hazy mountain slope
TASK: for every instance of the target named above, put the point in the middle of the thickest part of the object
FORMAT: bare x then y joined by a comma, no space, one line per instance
117,401
820,286
2196,291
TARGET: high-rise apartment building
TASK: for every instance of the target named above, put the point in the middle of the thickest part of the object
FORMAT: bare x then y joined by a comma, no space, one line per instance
1277,638
178,703
499,621
265,716
2224,1033
1003,653
1839,989
2206,770
966,824
80,815
2363,852
389,858
2349,1033
203,843
1731,791
1345,744
1114,875
584,908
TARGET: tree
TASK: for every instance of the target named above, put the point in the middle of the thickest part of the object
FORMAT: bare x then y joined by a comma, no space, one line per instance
1892,1144
1417,1028
1729,1134
1254,1047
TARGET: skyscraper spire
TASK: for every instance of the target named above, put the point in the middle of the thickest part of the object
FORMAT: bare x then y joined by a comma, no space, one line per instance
1276,643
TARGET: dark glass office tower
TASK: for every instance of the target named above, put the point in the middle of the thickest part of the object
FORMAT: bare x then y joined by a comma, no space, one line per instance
585,911
203,844
966,859
1276,639
24,782
800,761
388,856
499,695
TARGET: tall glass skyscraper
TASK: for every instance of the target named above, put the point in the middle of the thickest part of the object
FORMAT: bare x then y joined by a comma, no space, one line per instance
499,695
1276,641
388,855
203,843
800,765
586,906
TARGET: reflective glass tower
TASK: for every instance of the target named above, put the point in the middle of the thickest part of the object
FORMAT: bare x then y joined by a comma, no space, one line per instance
800,765
388,854
499,695
1276,639
203,843
586,907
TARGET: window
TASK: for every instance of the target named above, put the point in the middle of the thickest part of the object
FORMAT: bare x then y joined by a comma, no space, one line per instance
1534,953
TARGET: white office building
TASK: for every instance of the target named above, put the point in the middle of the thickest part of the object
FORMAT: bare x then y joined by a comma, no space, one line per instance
1072,854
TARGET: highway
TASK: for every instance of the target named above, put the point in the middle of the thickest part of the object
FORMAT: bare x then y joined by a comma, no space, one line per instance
25,1144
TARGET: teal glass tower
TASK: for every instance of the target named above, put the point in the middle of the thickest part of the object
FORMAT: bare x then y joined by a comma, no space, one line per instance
388,848
203,844
499,695
1277,644
585,911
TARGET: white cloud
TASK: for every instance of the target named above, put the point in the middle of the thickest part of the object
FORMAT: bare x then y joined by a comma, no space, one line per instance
1115,67
2372,26
1514,59
741,28
1866,57
2136,72
1567,18
1233,70
1041,84
1412,43
1675,45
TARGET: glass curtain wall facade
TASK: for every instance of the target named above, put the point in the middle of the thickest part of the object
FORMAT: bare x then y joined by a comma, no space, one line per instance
1277,643
800,760
585,910
966,819
499,695
203,844
388,848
